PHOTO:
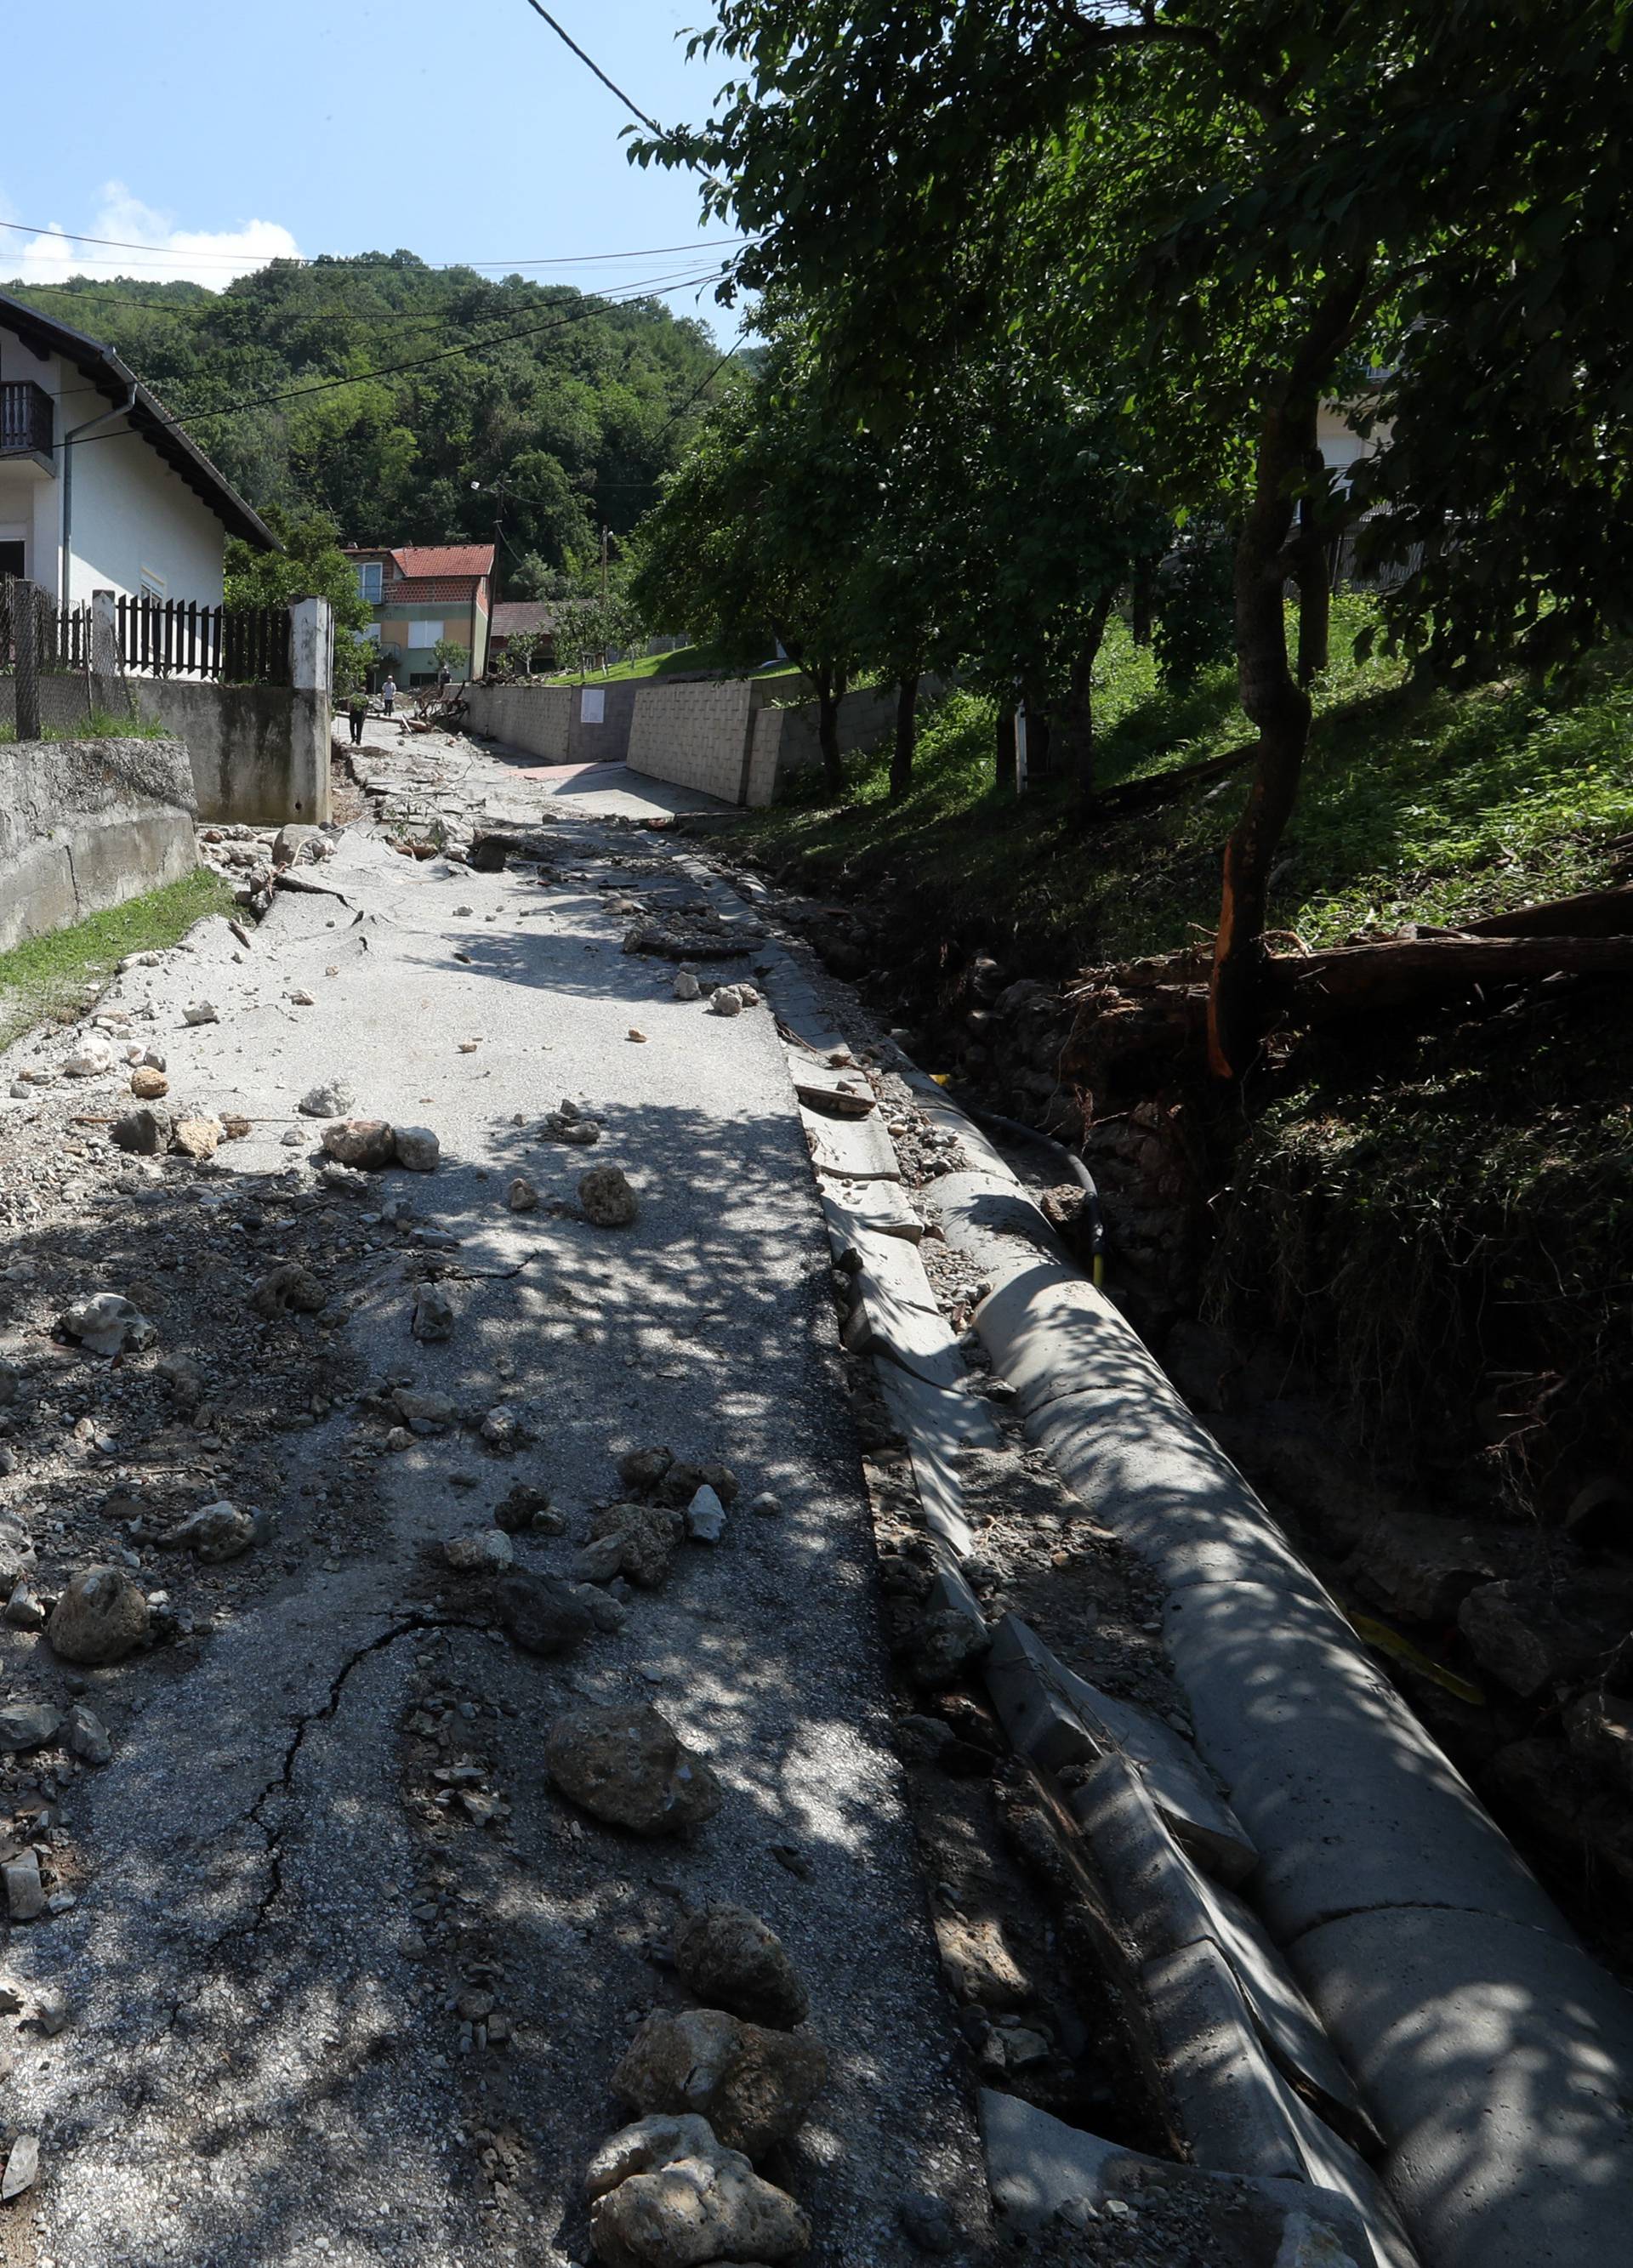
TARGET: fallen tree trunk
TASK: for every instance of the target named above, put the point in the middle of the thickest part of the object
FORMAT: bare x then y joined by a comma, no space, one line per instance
1593,913
1135,795
1365,979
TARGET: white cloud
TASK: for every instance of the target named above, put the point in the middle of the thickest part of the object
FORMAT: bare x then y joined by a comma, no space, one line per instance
209,256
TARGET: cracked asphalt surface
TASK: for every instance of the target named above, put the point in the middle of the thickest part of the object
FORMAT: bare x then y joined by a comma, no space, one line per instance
282,1909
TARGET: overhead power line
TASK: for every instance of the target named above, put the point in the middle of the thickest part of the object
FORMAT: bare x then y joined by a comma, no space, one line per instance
160,254
590,64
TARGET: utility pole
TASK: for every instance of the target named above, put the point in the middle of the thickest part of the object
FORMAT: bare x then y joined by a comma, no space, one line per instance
498,492
605,533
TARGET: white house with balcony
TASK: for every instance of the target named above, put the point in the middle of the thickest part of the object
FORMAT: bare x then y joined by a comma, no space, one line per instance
101,490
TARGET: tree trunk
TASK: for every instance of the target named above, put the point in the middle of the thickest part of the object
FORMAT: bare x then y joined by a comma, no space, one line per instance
1132,796
1005,738
1368,979
1039,738
907,737
1315,586
830,693
1142,602
1276,704
1592,913
1076,714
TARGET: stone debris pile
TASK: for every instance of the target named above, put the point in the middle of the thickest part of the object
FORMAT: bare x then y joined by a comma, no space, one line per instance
715,2090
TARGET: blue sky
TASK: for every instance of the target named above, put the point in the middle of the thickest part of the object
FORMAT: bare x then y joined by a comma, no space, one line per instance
460,129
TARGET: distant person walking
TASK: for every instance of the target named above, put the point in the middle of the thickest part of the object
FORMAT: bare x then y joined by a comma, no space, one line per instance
357,710
389,694
445,677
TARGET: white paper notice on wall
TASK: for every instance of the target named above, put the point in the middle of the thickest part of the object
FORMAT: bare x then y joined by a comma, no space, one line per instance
593,710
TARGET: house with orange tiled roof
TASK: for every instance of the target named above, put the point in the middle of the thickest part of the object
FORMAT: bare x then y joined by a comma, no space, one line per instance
420,594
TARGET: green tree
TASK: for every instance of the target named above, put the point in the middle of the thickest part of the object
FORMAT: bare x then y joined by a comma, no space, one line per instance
308,563
757,539
1252,200
292,376
448,652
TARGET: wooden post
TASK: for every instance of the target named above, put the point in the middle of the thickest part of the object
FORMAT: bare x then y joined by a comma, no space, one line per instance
26,645
107,690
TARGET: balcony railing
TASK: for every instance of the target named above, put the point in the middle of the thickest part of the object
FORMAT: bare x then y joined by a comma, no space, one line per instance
25,429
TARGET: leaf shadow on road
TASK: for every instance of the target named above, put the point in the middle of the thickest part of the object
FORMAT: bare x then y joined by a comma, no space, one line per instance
262,2056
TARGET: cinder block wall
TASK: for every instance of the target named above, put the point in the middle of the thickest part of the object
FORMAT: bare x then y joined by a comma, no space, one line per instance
535,718
547,721
696,735
786,741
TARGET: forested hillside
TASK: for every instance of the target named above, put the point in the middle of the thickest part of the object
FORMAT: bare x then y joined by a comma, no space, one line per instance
572,400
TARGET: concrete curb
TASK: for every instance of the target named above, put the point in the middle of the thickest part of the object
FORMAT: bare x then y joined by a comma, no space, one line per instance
1496,2055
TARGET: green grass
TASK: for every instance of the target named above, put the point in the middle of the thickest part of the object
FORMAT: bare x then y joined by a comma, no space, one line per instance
50,976
1416,806
684,661
98,726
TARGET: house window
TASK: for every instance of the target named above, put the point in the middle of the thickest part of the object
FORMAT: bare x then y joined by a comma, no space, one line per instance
370,572
423,633
370,631
152,585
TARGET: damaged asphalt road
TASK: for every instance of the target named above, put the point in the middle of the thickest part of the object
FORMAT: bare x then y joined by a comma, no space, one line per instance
348,1980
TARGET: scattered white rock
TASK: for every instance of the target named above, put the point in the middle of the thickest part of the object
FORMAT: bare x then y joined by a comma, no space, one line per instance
484,1551
706,1516
723,1001
767,1505
52,2010
200,1012
26,1725
521,1196
331,1099
101,1617
301,1000
418,1150
105,1323
25,1892
215,1533
92,1060
87,1736
433,1314
686,986
607,1198
22,2164
23,1609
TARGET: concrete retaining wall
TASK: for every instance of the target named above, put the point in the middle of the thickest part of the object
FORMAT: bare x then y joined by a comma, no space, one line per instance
786,741
697,735
86,824
259,752
719,735
548,721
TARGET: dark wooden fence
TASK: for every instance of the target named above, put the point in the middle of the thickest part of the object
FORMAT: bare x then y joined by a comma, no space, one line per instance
158,638
235,646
